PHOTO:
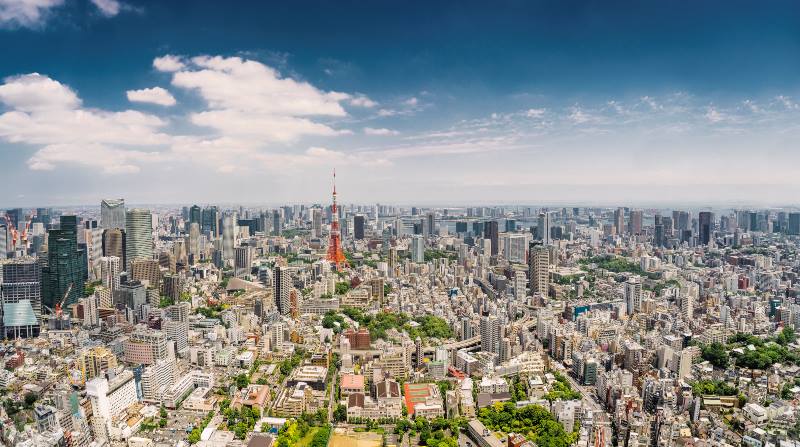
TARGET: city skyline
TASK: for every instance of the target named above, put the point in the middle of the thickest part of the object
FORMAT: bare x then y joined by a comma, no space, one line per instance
538,104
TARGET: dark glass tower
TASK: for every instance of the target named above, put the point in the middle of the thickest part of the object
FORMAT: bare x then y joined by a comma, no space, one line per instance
66,264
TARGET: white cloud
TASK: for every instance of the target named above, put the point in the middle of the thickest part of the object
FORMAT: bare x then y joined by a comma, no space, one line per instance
787,102
362,101
168,63
578,116
47,114
248,100
379,131
26,13
155,95
35,92
411,102
108,8
386,112
713,115
535,113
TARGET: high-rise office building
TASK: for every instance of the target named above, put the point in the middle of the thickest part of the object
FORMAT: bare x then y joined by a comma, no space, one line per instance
417,249
794,224
195,215
194,240
112,213
281,284
138,235
635,225
619,220
491,232
316,222
211,221
93,238
66,265
20,298
358,226
543,228
114,243
705,227
276,223
658,232
539,268
227,237
430,224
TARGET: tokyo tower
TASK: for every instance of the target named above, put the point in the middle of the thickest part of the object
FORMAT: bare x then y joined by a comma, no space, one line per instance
335,252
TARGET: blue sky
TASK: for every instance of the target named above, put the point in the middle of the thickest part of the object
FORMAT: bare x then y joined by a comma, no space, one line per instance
523,102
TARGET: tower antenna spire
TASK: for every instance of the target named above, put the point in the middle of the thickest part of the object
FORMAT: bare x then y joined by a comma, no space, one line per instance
335,252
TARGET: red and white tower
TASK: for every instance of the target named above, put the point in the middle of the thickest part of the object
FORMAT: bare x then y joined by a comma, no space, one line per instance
335,252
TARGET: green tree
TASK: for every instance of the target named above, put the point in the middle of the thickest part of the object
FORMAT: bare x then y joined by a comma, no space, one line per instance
716,354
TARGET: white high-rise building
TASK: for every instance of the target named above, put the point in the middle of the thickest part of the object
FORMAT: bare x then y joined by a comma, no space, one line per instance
110,268
316,222
110,399
156,380
687,307
515,245
633,295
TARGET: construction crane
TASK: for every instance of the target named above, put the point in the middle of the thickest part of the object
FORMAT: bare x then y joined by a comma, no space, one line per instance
58,311
15,233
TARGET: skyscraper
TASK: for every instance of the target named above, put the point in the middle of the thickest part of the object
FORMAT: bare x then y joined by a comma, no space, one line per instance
358,226
281,283
227,237
66,264
619,220
316,222
543,228
539,268
138,235
491,232
417,249
635,225
114,243
210,221
430,220
794,224
195,215
110,268
112,213
658,232
705,227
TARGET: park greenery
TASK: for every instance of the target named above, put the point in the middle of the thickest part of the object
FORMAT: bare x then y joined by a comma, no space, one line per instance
240,421
532,421
432,432
617,265
211,311
561,389
518,390
306,431
756,353
432,254
713,387
342,287
430,326
716,354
